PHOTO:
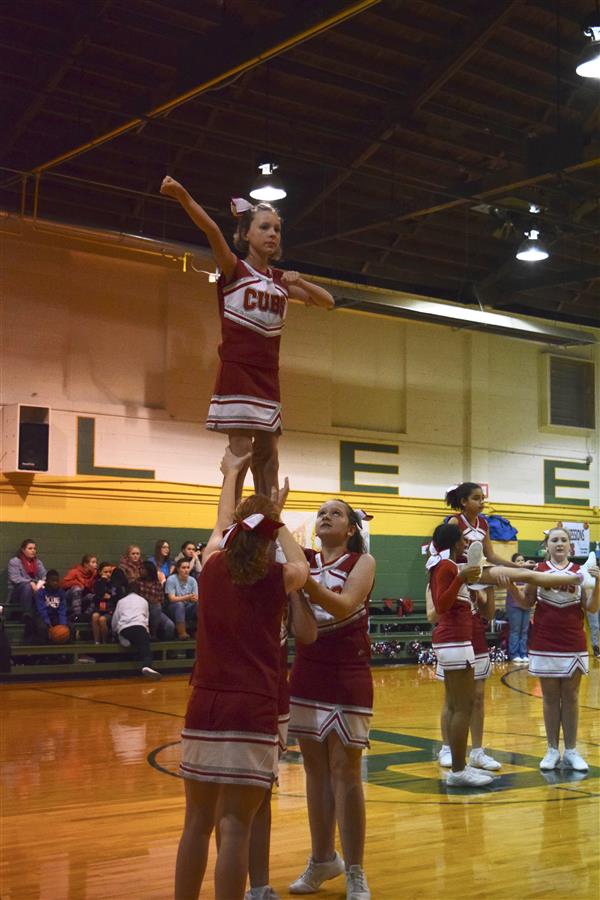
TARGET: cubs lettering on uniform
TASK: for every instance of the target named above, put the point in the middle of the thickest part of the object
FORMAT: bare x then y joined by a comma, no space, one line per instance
255,300
264,301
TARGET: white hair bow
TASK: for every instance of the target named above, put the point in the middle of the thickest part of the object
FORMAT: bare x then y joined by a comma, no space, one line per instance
436,556
239,206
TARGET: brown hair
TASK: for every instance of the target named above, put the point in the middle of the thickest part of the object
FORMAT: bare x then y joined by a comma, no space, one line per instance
248,553
240,241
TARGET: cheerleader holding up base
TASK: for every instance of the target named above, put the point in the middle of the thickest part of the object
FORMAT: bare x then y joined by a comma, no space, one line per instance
300,623
558,648
252,305
331,700
230,739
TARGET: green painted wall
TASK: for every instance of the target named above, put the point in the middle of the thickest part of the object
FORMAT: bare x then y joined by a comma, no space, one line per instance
400,569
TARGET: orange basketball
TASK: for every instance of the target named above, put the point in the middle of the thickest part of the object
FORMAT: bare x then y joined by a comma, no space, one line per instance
59,634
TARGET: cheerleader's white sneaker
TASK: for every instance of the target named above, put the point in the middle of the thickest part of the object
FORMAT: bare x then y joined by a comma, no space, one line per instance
356,884
265,892
551,760
316,873
479,759
574,760
588,580
468,778
445,756
475,554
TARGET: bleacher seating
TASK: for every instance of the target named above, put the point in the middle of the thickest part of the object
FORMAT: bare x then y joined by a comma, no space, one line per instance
390,636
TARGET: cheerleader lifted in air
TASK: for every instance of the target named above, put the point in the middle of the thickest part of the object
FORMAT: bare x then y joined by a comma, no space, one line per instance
252,305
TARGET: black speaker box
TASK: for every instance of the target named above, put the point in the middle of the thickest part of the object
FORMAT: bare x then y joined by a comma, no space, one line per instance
33,446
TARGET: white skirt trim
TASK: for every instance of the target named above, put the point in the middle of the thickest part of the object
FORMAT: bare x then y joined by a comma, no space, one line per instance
241,411
481,667
454,655
229,757
551,664
314,719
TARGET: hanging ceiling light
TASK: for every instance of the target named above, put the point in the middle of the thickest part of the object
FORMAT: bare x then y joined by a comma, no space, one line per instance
532,249
589,67
268,186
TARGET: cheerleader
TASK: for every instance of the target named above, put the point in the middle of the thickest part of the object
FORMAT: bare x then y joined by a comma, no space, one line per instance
558,647
331,700
483,609
301,624
252,304
230,741
453,643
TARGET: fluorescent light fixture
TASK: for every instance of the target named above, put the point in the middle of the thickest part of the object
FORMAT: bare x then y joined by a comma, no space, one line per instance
532,249
407,306
268,186
589,67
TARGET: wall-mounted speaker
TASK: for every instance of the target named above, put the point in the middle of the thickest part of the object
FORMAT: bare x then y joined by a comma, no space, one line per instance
26,438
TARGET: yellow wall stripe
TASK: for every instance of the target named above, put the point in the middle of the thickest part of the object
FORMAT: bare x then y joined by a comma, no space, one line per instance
88,500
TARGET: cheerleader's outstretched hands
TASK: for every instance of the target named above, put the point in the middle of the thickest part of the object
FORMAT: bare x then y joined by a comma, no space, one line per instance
233,464
171,188
279,495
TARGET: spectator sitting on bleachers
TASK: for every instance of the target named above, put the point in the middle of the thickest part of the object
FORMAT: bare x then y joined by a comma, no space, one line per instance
190,551
79,585
182,592
150,587
106,595
131,562
51,606
130,624
161,560
26,574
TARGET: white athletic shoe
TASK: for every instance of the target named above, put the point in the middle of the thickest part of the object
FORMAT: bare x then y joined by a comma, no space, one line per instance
468,778
475,554
316,873
517,660
573,760
588,580
479,759
525,660
356,884
265,892
445,756
551,760
147,672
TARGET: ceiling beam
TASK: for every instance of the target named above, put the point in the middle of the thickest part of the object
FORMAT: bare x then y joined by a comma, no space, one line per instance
495,15
487,188
69,46
267,43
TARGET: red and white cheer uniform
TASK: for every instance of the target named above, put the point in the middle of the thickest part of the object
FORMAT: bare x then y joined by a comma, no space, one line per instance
252,307
230,734
453,632
483,665
557,646
331,688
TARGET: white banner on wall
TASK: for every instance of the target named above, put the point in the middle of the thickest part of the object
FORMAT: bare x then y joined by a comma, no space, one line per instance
579,534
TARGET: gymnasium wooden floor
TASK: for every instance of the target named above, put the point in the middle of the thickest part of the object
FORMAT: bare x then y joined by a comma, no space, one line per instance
92,807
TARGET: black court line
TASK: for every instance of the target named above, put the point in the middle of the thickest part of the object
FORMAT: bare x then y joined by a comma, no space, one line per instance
530,694
145,709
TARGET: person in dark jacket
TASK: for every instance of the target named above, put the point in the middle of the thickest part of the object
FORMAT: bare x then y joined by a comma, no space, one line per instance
50,606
